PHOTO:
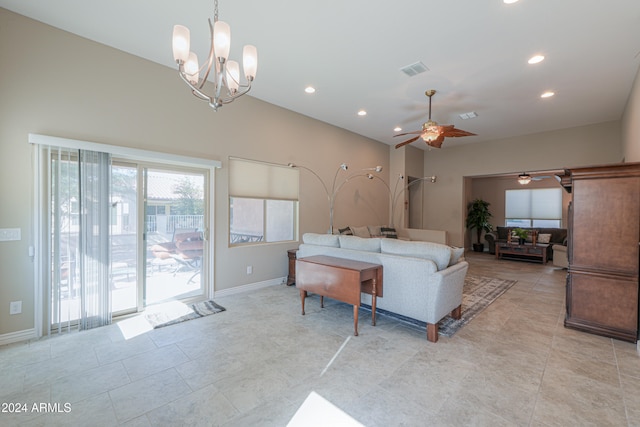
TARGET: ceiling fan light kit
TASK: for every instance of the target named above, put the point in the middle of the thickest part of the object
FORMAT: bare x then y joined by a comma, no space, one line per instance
225,73
432,133
524,178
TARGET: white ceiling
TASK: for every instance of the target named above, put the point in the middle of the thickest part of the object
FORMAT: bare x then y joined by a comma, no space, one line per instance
352,50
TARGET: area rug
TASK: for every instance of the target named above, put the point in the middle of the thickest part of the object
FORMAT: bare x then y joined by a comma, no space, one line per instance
477,294
176,312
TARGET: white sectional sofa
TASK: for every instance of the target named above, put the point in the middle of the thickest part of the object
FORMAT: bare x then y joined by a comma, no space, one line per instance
421,280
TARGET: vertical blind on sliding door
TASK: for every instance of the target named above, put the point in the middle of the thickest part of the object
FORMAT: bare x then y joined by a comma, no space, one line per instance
79,209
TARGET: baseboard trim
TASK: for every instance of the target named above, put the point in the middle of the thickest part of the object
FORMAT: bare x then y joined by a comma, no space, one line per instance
250,287
18,336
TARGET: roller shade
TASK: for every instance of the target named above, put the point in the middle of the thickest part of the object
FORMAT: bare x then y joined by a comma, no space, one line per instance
251,179
539,203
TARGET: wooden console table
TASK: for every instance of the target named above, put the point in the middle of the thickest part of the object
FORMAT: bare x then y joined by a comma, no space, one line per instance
291,277
526,251
340,279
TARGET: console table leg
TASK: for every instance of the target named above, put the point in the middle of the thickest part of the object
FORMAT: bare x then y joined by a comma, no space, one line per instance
303,295
355,320
373,303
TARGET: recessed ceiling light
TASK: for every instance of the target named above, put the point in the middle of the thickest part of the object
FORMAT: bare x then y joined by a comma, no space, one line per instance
547,94
397,129
535,59
310,89
362,113
509,1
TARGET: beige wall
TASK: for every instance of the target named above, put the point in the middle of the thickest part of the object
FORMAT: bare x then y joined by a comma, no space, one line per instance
631,124
445,201
58,84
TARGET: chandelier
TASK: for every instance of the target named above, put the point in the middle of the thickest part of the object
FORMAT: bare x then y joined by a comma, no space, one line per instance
225,73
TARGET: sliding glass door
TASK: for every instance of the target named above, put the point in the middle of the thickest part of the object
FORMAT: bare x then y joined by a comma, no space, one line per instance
123,235
175,232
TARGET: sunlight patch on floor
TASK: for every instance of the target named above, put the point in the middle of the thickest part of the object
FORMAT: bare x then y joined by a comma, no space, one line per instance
318,411
138,325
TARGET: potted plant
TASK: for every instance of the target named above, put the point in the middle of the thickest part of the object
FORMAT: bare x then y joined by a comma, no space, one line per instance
478,218
522,235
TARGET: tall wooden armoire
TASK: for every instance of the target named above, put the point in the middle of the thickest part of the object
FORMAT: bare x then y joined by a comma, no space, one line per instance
604,250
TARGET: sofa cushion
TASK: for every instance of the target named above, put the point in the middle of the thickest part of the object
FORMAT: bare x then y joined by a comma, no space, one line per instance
360,231
360,243
436,252
330,240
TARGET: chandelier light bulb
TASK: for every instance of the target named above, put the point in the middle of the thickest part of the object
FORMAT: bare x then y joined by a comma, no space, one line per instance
233,76
250,61
221,40
191,68
181,43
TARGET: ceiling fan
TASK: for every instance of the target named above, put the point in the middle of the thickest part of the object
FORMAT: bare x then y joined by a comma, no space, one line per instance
432,133
524,178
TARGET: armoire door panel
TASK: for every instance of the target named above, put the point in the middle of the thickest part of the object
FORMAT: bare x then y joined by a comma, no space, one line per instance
605,225
604,300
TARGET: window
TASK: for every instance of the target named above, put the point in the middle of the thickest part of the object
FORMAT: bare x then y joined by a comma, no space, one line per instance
263,202
540,207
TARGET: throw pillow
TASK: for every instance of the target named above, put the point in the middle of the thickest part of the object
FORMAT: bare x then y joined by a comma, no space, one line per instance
544,238
456,253
360,231
374,230
388,232
345,231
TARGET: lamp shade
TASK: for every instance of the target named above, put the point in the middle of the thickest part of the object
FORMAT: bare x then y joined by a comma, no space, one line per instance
250,61
221,39
191,68
181,43
233,76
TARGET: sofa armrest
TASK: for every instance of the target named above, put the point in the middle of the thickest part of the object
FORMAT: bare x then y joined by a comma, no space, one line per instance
491,238
445,291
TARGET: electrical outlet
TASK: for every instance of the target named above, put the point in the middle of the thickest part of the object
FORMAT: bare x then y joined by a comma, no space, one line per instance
249,269
15,307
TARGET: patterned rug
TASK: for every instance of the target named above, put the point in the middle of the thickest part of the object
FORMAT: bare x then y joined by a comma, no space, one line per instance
176,312
478,293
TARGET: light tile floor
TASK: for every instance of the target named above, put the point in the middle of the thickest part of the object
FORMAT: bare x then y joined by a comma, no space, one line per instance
261,363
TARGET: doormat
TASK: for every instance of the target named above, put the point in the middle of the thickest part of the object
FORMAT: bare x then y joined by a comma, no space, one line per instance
176,312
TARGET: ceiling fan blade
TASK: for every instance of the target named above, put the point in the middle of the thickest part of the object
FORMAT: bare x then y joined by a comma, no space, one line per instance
408,141
451,131
417,132
436,143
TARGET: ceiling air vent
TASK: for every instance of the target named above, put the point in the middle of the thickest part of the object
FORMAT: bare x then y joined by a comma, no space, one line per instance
414,69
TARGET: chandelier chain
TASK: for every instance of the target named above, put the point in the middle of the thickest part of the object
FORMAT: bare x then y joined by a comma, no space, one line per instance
215,11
